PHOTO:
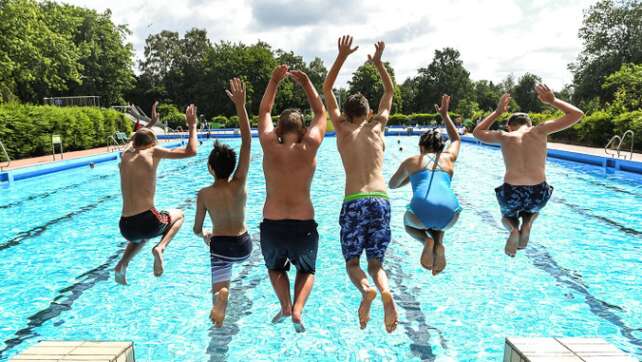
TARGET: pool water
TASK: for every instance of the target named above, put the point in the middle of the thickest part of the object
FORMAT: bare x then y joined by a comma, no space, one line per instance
580,276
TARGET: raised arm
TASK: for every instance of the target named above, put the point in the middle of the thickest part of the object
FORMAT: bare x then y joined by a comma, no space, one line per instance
154,116
453,135
482,131
385,104
266,127
192,143
237,95
400,178
345,49
316,130
571,116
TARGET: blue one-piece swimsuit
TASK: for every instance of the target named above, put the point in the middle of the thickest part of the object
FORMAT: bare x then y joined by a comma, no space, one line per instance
433,199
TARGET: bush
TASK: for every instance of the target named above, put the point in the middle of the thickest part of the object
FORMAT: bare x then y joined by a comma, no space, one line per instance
170,115
425,119
397,119
26,129
630,121
218,122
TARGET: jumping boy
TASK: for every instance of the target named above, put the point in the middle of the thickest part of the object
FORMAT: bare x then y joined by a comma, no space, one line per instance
365,215
140,221
288,231
229,241
525,191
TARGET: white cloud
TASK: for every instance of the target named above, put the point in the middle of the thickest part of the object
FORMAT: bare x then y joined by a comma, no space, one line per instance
495,37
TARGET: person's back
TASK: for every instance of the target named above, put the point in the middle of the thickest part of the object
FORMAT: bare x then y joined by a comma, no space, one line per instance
524,152
138,180
361,146
225,203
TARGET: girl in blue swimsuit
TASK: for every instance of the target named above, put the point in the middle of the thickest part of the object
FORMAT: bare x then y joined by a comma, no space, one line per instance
434,207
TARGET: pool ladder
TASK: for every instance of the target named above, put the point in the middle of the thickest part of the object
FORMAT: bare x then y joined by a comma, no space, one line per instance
6,156
620,142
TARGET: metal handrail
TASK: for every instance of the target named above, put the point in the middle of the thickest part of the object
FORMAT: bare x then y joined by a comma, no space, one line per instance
112,144
608,145
629,132
6,155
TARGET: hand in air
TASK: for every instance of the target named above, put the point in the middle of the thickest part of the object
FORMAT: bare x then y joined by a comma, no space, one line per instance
299,77
544,93
504,102
345,46
190,115
154,114
279,73
376,58
236,92
445,104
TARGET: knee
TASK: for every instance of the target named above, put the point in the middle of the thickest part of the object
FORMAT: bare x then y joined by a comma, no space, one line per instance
352,263
374,267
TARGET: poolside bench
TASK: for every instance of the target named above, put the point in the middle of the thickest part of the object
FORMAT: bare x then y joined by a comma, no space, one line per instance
94,351
571,349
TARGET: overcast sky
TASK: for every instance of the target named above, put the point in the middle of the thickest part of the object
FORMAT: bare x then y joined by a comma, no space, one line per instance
495,37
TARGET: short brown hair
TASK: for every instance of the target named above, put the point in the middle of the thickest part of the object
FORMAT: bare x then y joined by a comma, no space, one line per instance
356,106
290,121
519,119
144,137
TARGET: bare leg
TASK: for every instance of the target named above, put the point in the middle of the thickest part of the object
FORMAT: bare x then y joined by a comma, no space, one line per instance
177,219
221,294
416,229
439,251
121,268
512,225
381,280
302,289
525,232
281,285
368,294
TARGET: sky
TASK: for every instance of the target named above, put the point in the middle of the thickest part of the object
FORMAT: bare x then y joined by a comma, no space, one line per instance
495,37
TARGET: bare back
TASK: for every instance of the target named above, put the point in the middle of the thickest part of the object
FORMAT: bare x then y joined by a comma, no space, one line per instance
138,180
524,153
362,151
288,169
225,203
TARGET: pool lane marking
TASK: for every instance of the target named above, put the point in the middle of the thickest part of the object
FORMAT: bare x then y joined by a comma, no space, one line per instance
63,301
587,212
542,260
38,230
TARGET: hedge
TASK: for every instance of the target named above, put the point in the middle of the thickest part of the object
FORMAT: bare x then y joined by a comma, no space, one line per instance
26,130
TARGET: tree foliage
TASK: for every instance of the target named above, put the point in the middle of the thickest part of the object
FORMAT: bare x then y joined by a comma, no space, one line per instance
366,80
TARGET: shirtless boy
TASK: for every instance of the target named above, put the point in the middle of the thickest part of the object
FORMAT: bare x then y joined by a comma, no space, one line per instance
140,221
288,231
525,191
365,215
224,201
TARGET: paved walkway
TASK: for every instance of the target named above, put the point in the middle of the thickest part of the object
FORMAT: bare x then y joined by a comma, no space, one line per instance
590,150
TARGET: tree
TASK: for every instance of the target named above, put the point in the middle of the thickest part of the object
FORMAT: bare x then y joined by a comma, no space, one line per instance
366,80
409,95
612,36
524,93
626,85
445,75
487,94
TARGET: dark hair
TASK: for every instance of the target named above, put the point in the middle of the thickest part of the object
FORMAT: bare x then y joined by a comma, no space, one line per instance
356,106
143,137
222,160
290,121
431,141
519,119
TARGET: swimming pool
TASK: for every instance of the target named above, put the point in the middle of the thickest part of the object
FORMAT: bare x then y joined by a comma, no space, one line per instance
580,276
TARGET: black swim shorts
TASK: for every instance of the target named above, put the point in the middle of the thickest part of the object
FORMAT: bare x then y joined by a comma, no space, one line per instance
146,225
290,241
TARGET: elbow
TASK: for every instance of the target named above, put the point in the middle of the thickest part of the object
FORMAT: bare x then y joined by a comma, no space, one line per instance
476,133
190,152
198,231
392,185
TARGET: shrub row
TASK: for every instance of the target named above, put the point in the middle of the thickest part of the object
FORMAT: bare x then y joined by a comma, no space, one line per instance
26,130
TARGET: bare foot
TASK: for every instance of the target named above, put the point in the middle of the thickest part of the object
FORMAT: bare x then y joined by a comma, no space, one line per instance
280,316
364,309
524,236
220,305
440,259
298,322
511,243
158,261
120,275
390,311
427,254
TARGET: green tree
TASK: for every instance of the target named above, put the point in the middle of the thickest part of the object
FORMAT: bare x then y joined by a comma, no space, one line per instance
626,85
487,94
446,74
409,95
366,80
524,93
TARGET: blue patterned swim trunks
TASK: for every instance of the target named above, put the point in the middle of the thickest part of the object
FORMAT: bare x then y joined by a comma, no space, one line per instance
517,200
365,224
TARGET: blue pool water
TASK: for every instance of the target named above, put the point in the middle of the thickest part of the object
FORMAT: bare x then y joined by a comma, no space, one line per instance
580,276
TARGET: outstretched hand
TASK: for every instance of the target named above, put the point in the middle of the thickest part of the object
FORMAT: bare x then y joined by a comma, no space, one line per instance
544,93
504,102
190,115
299,77
376,58
236,92
445,104
345,46
154,114
279,73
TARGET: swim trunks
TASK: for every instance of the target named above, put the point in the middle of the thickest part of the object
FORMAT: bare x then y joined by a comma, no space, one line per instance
290,241
146,225
225,251
514,201
365,224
